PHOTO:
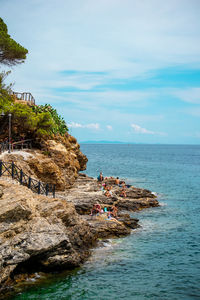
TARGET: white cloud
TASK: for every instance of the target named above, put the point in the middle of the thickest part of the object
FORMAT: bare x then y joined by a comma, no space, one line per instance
109,127
142,130
191,95
139,129
78,125
135,38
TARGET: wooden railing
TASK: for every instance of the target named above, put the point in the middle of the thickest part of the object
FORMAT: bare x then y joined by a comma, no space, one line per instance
10,169
23,144
28,97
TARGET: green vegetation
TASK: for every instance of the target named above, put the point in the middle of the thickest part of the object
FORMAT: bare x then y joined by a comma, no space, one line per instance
27,121
11,53
59,125
30,121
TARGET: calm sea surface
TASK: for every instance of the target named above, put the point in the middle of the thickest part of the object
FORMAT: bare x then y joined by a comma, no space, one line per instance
161,260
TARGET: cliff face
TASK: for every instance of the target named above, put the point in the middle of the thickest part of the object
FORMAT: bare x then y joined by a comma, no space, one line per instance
57,162
39,233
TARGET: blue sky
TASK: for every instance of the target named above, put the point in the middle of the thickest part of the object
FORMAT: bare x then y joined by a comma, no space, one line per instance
115,70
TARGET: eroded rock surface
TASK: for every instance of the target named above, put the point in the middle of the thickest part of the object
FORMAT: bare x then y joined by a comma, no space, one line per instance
58,162
87,191
39,233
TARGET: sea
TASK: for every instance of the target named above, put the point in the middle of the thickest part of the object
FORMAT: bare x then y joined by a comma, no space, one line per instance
161,259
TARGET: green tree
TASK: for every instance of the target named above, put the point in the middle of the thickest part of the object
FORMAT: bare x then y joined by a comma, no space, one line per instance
11,53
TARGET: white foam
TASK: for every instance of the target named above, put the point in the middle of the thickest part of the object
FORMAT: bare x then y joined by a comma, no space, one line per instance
162,204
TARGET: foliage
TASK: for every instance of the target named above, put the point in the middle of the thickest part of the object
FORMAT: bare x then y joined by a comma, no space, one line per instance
30,121
6,100
59,125
11,53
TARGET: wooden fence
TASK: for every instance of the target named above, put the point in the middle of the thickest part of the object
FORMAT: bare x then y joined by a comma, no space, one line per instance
27,97
23,144
10,169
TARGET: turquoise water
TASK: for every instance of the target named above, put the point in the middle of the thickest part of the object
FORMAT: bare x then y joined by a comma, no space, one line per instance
161,260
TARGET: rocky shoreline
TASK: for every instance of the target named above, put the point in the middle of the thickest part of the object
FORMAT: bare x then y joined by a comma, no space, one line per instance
42,234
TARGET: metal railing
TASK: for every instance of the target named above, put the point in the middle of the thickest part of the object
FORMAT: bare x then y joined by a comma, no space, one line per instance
4,146
10,169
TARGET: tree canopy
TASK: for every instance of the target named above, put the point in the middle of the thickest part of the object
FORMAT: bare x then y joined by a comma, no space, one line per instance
11,53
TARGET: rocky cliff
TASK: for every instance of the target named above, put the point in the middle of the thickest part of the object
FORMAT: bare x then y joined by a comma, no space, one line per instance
39,233
58,161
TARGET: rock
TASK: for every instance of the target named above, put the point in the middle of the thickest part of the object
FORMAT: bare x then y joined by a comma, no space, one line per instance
39,233
86,192
128,221
56,161
105,228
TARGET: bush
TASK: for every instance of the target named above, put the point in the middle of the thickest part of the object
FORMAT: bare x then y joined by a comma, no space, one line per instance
35,121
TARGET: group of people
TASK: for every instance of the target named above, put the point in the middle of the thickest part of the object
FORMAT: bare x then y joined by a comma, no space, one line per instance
110,211
107,189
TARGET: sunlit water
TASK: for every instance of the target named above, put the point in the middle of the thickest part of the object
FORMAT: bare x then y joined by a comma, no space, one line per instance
161,260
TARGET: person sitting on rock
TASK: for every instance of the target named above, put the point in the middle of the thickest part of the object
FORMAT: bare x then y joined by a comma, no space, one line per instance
123,192
103,187
117,181
114,211
96,209
108,192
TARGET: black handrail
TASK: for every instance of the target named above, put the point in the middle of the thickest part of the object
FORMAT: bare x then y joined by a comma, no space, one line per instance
4,146
10,169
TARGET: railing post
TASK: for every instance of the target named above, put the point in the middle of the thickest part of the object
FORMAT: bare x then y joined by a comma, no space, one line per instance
29,182
38,187
1,167
21,177
47,189
13,169
54,191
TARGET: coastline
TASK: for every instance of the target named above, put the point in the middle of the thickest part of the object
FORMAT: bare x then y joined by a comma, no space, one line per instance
41,234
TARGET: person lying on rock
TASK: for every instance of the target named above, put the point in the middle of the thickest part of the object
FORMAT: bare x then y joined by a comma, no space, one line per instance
110,218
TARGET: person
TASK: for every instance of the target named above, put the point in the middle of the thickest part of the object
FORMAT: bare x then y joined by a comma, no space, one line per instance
108,192
123,192
100,177
103,187
117,181
114,211
96,209
109,215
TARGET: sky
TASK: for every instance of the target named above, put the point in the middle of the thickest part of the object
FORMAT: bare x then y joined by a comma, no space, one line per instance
116,70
